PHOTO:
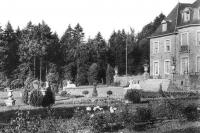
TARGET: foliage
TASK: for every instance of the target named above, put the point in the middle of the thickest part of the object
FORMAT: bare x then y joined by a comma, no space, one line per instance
85,92
49,98
133,95
17,83
24,123
36,98
25,96
109,93
64,94
191,112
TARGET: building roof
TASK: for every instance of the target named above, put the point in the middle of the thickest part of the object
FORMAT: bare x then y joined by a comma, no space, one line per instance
174,19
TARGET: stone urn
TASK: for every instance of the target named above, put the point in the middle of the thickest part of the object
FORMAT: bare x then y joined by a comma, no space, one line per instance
10,101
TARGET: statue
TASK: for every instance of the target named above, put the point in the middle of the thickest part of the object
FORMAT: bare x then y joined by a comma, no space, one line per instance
69,85
10,101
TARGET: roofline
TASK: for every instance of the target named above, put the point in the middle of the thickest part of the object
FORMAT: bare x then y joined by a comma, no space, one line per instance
156,36
189,25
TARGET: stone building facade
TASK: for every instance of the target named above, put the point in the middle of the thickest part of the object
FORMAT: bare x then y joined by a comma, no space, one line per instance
175,45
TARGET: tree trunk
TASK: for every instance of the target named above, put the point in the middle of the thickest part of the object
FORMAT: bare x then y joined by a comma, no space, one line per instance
34,66
40,69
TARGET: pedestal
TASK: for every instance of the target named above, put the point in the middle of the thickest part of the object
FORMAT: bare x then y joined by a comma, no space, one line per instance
43,91
10,101
146,75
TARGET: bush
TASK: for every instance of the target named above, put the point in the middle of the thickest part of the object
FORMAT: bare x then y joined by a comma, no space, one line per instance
64,94
191,112
133,96
85,92
25,96
49,98
143,114
109,93
36,98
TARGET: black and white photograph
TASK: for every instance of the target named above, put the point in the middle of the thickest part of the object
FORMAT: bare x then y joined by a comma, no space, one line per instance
100,66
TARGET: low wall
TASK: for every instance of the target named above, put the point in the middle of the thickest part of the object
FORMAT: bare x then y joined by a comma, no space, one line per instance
123,80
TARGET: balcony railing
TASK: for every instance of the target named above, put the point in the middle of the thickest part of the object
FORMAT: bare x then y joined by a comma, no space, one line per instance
184,49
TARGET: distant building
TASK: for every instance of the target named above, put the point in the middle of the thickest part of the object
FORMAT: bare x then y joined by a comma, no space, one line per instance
176,42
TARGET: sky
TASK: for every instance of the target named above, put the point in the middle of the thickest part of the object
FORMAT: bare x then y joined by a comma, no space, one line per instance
94,16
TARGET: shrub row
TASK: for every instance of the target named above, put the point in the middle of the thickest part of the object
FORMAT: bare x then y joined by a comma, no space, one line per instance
35,98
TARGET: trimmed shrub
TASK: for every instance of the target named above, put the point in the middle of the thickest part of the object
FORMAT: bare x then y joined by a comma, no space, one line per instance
49,98
133,96
85,92
64,94
36,98
25,96
109,93
191,112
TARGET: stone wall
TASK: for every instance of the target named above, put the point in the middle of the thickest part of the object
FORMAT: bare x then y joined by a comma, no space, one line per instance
123,80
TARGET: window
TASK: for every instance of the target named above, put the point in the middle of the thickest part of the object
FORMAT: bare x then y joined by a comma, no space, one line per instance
164,26
155,68
198,63
198,38
167,66
186,15
184,38
155,47
167,45
184,65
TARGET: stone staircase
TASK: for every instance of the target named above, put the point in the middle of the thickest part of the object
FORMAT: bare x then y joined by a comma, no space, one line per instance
154,84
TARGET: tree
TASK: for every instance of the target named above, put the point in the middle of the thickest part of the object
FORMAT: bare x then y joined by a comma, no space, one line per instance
93,79
3,53
117,44
10,37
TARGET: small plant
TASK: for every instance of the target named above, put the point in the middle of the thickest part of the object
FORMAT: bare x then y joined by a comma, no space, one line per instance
133,96
25,96
64,94
109,93
85,92
36,98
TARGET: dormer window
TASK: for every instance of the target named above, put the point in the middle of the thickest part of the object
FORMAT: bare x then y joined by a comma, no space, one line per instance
199,13
164,26
186,15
